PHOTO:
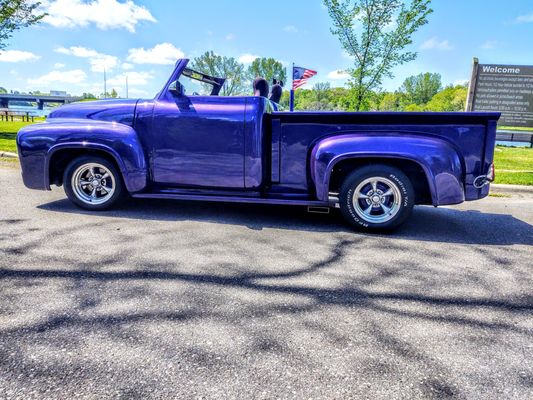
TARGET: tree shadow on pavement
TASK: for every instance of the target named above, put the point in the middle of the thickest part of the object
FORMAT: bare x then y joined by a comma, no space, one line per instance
122,314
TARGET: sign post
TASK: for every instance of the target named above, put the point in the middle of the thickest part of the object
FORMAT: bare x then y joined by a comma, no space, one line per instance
472,85
504,88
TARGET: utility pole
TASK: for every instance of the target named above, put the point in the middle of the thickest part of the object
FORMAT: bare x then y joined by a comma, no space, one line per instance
127,86
105,84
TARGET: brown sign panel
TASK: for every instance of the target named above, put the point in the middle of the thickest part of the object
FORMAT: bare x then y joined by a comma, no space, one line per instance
507,89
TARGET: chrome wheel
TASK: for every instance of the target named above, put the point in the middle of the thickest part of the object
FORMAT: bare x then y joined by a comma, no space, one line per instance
93,183
377,200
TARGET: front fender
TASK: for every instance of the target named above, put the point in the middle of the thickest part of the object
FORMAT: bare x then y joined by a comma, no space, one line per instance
440,161
38,143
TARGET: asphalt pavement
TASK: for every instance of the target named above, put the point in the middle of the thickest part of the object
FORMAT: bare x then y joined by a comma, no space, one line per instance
169,299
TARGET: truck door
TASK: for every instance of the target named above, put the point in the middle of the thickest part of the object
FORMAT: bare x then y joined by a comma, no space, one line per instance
198,141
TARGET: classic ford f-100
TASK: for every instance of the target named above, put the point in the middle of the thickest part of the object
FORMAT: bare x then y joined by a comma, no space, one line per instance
373,166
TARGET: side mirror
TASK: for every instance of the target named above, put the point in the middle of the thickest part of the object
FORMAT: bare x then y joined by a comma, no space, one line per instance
177,89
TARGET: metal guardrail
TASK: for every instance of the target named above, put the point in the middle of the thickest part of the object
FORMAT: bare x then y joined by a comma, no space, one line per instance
515,136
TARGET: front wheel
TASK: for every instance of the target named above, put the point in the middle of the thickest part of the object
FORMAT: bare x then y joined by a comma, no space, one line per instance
93,183
376,198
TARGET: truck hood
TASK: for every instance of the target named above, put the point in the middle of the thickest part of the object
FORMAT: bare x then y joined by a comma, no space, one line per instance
116,110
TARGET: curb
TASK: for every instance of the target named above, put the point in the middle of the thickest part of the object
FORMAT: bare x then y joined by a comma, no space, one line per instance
7,154
499,188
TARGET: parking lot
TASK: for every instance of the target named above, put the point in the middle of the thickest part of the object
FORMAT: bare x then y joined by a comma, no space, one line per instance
164,299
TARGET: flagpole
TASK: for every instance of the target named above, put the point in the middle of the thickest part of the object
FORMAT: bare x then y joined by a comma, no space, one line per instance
291,101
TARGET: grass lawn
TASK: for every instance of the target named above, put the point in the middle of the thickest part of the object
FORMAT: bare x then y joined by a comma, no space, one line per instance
8,134
510,128
513,165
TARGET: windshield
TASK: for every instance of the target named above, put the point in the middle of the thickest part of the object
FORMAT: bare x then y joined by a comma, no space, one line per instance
198,84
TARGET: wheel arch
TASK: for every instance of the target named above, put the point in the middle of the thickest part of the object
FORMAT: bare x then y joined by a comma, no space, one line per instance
133,172
433,159
59,159
412,169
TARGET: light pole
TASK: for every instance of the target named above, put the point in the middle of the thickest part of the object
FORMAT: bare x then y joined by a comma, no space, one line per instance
105,84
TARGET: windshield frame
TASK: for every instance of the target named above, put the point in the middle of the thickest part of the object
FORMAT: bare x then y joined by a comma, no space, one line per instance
181,66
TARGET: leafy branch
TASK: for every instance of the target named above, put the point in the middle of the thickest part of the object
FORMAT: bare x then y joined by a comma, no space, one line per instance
376,33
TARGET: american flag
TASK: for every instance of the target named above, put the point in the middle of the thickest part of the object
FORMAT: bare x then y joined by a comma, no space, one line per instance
300,76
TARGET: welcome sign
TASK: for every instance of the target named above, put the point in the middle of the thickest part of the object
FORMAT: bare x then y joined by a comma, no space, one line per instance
504,88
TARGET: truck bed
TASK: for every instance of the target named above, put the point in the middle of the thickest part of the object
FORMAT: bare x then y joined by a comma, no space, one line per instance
293,135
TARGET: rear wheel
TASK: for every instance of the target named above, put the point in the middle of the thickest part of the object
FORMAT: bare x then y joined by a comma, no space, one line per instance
376,198
93,183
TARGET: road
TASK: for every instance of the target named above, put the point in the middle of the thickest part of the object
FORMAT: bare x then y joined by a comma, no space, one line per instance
164,299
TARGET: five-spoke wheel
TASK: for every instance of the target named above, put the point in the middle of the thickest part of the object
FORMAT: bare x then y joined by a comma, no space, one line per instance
92,183
376,197
377,200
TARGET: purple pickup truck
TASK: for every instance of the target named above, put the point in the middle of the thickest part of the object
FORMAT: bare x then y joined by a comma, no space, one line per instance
373,166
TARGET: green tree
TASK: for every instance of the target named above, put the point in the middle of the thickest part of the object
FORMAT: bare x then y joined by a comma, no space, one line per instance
452,98
114,94
420,89
390,102
17,14
375,33
223,67
267,68
322,97
87,96
318,98
3,90
322,90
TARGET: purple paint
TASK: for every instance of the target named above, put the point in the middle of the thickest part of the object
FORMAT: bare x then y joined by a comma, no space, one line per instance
174,143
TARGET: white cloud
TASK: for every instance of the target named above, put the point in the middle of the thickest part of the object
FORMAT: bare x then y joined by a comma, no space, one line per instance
247,58
137,92
489,44
127,66
17,56
346,55
74,76
98,61
338,75
435,43
162,53
59,65
230,36
290,29
105,14
134,79
525,18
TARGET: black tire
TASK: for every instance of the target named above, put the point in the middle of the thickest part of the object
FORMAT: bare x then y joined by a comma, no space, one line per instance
387,180
77,194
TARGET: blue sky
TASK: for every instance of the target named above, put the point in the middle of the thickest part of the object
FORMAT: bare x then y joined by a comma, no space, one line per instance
142,38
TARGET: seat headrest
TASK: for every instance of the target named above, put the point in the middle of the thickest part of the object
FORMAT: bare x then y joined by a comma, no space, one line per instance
260,87
277,91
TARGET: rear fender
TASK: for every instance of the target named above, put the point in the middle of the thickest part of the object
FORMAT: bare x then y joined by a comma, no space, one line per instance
440,161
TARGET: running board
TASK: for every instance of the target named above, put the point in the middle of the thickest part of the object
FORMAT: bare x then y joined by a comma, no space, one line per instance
232,199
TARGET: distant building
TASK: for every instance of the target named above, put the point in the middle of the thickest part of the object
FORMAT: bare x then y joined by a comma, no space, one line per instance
62,93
